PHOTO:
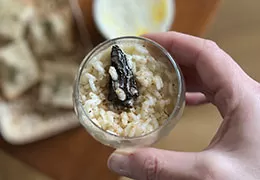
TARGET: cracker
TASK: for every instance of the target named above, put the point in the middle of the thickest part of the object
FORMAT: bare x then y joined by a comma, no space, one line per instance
19,69
53,33
13,17
56,86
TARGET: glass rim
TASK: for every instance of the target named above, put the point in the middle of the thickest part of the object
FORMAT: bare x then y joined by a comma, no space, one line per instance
181,87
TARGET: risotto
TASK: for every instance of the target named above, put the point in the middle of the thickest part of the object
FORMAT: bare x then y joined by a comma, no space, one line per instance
137,107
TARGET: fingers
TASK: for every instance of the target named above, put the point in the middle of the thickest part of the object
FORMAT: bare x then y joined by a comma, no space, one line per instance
196,98
185,48
213,71
156,164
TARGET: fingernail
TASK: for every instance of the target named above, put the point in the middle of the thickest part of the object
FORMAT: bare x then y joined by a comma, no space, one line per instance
119,161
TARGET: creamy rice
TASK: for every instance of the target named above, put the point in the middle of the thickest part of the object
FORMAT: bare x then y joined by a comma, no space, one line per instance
157,85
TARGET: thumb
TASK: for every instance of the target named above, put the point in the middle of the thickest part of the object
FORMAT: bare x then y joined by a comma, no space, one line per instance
150,163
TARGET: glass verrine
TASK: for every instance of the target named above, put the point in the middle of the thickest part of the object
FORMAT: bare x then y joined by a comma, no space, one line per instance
111,139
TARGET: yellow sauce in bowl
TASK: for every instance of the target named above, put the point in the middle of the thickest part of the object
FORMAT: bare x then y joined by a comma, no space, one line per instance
116,18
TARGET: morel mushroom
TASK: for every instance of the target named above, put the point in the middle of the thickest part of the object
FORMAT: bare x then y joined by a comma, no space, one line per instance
122,85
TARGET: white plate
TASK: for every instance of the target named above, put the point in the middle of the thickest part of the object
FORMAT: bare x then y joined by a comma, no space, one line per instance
19,125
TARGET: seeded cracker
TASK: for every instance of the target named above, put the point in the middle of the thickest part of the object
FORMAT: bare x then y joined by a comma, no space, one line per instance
37,102
56,86
19,69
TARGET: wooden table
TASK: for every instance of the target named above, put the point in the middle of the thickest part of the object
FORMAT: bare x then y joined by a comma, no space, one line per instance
74,155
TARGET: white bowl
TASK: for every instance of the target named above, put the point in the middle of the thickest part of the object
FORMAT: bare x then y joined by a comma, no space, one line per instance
115,18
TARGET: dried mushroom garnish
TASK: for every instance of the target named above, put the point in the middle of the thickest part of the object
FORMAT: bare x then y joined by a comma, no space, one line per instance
122,85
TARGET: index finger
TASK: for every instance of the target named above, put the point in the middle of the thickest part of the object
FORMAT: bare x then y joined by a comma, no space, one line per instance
219,75
186,49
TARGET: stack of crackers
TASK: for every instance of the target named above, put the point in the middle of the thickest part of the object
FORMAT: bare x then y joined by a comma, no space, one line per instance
40,51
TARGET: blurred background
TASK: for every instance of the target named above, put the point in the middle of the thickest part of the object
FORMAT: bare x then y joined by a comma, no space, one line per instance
233,24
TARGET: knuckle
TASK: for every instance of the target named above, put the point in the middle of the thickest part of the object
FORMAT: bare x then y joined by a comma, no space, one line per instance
151,165
258,87
151,168
210,167
211,45
208,46
204,169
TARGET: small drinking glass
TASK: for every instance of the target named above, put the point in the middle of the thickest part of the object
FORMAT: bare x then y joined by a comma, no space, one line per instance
115,141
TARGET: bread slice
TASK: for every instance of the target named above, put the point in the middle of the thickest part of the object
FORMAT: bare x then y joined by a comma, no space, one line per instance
57,84
19,70
21,124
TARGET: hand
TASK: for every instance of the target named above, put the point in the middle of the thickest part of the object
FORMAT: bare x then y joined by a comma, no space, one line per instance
211,75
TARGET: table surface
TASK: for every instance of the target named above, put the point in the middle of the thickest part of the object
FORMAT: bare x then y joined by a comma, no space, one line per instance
74,155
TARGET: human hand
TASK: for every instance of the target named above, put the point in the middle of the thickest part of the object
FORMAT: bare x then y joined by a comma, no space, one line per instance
211,75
